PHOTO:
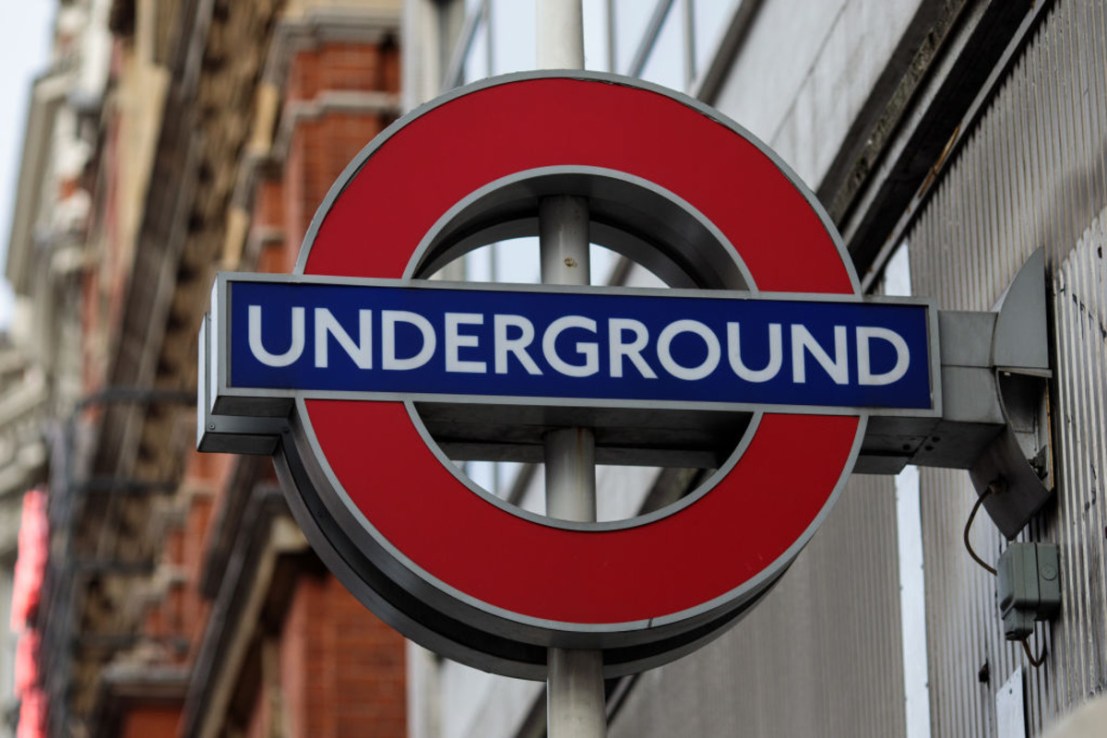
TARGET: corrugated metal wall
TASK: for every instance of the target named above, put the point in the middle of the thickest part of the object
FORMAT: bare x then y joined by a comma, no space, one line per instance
821,656
1033,175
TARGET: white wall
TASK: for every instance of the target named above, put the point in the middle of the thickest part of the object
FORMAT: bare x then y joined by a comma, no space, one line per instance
806,69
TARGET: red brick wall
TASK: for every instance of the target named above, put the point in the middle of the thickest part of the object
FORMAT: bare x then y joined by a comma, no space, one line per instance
342,669
344,67
321,147
148,722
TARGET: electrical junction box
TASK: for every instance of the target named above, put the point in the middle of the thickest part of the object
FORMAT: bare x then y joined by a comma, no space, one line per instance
1029,586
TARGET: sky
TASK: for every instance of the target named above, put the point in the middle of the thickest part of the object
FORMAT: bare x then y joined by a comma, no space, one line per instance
24,50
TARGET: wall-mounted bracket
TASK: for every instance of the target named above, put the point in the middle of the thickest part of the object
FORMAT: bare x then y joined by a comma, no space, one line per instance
1018,464
995,405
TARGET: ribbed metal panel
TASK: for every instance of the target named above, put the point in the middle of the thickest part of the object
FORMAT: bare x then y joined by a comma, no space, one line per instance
821,656
1080,305
1033,175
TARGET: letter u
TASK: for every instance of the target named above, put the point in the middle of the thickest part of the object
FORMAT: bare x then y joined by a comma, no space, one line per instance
258,349
734,353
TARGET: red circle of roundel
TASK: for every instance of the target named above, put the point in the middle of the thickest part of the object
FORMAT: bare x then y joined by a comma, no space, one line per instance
722,543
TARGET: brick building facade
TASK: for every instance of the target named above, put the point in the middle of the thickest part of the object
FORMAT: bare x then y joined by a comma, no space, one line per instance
180,597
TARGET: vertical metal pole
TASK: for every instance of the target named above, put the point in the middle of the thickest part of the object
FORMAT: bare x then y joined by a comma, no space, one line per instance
574,695
611,60
689,9
574,684
560,34
563,240
571,474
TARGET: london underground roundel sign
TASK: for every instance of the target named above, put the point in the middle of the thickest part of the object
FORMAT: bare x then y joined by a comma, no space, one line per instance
365,357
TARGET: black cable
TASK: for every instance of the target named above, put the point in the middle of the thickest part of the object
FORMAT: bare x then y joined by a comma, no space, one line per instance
968,526
1035,662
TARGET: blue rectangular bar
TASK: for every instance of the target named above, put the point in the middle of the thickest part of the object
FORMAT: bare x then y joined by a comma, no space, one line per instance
589,347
